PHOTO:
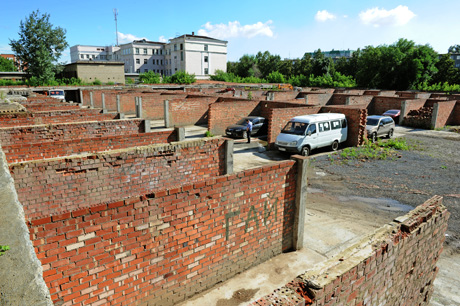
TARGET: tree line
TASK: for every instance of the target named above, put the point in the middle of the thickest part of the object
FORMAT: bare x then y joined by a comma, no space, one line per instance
402,65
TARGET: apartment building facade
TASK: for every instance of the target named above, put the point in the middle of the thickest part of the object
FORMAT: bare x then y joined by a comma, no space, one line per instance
195,54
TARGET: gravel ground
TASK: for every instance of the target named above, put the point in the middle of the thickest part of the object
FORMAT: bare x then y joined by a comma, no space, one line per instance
431,168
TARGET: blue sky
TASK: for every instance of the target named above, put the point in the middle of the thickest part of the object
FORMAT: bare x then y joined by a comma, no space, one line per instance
288,28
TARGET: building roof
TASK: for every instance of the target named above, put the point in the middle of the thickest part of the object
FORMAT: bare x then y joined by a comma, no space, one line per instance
198,36
144,41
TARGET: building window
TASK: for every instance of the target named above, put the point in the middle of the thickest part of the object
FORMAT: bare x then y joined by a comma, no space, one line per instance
175,69
158,62
161,51
146,70
145,51
182,56
137,50
161,62
82,56
161,72
205,47
205,59
206,71
94,56
138,70
138,61
87,55
145,61
182,46
175,47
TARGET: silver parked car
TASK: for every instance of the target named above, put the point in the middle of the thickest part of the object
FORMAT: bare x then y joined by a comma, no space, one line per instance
379,126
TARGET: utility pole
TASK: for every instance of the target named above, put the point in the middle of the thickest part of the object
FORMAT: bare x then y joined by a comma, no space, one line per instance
115,13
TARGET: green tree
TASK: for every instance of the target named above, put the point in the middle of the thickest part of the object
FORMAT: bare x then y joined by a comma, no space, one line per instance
321,65
348,66
454,49
275,77
150,77
267,63
303,66
246,65
286,67
182,77
446,71
7,65
39,46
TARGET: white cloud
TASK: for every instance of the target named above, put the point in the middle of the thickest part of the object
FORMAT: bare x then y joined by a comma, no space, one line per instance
398,16
127,38
235,29
324,15
162,39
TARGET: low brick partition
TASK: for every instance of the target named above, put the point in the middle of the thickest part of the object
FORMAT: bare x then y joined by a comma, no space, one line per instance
381,104
36,151
40,107
223,114
163,247
394,266
347,99
53,186
49,117
191,110
69,131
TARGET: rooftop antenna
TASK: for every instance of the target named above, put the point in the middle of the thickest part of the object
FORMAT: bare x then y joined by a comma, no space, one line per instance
115,13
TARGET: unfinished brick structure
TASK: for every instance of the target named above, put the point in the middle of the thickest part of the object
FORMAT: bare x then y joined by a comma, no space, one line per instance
123,216
393,267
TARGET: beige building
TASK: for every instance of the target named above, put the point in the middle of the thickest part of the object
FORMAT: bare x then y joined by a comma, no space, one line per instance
103,71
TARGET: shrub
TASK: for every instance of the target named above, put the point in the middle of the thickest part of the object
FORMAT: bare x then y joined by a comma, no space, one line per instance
97,82
150,77
275,77
129,81
182,77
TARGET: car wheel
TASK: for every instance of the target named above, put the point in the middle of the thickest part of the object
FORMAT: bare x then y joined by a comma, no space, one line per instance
374,137
245,135
335,145
390,133
305,151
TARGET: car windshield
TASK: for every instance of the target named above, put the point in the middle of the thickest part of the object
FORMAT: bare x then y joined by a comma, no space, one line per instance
56,93
372,121
242,121
296,128
392,112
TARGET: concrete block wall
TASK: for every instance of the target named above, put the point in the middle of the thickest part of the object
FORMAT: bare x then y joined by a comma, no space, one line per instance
36,151
356,119
52,186
163,247
50,117
223,114
190,111
396,265
68,131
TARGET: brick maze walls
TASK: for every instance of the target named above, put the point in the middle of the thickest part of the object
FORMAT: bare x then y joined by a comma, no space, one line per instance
382,104
223,114
35,151
57,185
49,117
395,266
69,131
163,247
445,114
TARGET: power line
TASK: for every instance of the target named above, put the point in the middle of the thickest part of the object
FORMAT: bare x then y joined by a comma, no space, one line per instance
115,13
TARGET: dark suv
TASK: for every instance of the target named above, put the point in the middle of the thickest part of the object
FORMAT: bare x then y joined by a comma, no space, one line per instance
259,126
378,126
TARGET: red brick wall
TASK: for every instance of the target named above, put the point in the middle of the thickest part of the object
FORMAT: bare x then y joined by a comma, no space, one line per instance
381,104
284,95
56,185
189,111
37,151
50,117
223,114
341,99
163,247
68,131
49,107
446,114
356,118
456,115
396,266
278,117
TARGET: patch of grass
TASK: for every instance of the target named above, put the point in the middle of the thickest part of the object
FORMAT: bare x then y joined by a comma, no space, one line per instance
3,249
395,143
208,134
443,167
379,150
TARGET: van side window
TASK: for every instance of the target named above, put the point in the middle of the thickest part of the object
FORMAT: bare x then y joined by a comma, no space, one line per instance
311,129
336,124
324,126
344,123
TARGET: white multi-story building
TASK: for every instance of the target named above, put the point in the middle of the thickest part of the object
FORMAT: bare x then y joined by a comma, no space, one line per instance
92,53
199,55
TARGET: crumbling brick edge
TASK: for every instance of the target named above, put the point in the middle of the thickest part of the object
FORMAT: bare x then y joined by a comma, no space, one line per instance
395,265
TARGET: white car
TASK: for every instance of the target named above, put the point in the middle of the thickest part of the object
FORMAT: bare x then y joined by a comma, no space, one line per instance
57,94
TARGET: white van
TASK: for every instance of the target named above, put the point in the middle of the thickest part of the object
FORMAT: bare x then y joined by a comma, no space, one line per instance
57,93
305,133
